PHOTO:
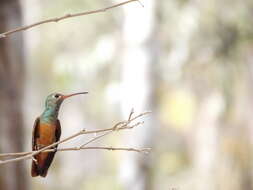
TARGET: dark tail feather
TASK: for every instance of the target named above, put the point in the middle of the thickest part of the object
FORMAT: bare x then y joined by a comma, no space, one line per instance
39,169
43,170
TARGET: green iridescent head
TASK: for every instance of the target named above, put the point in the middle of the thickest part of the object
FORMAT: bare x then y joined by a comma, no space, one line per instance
53,103
54,100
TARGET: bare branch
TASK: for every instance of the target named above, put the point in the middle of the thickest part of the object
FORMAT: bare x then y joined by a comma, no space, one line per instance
131,113
142,150
95,138
140,3
57,19
116,127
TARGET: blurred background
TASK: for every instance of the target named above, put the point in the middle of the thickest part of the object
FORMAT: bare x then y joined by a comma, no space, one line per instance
189,61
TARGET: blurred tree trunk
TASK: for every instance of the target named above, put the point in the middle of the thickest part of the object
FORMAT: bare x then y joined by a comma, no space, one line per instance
11,90
138,83
206,137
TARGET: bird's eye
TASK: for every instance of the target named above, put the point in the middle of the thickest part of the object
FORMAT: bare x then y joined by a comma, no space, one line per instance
56,95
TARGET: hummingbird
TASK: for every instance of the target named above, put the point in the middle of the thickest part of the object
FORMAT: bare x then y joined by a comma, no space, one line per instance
46,131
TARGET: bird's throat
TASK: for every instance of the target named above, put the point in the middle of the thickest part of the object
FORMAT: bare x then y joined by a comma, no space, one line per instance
50,115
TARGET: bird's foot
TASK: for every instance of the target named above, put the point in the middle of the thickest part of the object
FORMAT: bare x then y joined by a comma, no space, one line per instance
35,160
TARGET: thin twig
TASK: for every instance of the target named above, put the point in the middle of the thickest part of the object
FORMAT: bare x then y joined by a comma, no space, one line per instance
116,127
131,113
57,19
142,150
140,3
95,138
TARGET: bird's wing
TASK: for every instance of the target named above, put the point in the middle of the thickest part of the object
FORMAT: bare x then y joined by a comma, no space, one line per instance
35,133
58,130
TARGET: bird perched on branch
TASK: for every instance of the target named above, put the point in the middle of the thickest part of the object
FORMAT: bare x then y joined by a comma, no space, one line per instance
47,130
